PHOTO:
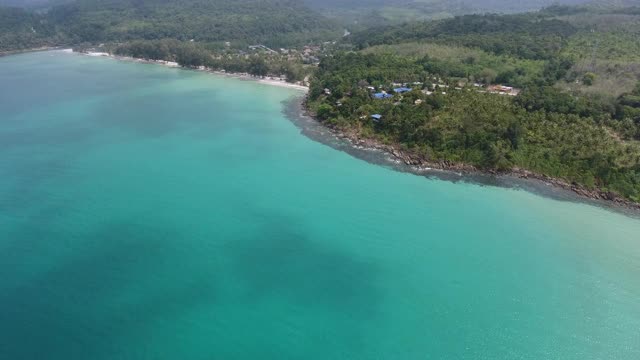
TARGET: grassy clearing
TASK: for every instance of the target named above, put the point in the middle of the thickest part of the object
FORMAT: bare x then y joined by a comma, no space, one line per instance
417,49
619,45
612,78
607,46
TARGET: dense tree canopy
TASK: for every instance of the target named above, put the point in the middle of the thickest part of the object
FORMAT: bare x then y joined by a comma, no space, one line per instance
271,22
542,129
528,36
20,29
191,54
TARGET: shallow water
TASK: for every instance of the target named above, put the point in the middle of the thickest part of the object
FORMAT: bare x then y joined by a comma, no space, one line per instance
155,213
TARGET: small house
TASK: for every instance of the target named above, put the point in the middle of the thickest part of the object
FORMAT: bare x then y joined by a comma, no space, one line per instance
376,117
401,90
382,95
503,90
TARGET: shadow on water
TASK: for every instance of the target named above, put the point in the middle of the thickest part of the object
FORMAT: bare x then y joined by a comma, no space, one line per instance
45,136
109,290
34,157
309,127
285,261
120,282
28,177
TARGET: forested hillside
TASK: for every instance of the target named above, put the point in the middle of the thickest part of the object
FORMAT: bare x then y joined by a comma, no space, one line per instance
599,46
20,29
369,13
531,91
272,22
23,3
526,36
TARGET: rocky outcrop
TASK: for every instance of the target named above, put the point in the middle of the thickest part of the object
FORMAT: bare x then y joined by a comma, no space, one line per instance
418,162
594,194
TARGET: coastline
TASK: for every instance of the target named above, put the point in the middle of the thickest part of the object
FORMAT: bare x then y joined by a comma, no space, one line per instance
24,51
265,81
415,163
241,76
407,161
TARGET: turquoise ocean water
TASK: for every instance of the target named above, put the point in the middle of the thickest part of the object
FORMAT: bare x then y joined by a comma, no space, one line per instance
155,213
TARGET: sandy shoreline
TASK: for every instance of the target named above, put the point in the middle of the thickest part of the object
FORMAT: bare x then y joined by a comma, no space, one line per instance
266,81
241,76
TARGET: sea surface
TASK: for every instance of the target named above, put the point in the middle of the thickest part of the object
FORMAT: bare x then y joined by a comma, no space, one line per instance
157,213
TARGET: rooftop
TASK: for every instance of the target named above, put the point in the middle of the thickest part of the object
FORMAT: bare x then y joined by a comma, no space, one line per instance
382,95
402,90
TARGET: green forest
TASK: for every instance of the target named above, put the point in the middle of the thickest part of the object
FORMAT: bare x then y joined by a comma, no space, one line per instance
565,122
194,55
359,14
273,23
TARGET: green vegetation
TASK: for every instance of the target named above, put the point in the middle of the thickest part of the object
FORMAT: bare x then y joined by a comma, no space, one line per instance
372,13
587,137
20,29
190,54
605,49
243,22
272,22
465,62
527,36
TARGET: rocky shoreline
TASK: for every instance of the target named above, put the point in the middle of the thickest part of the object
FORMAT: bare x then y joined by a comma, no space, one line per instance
419,164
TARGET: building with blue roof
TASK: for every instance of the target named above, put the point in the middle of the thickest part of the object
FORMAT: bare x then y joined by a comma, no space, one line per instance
382,95
401,90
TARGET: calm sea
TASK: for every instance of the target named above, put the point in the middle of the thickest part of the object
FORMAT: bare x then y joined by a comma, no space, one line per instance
156,213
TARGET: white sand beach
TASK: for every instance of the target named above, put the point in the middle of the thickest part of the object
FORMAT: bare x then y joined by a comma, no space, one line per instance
244,76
